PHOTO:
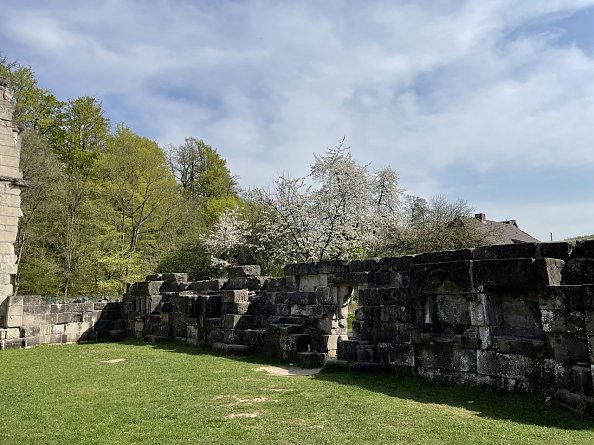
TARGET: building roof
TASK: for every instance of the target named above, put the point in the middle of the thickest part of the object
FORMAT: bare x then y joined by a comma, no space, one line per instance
502,232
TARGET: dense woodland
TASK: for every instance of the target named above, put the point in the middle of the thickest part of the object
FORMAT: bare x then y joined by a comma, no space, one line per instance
105,206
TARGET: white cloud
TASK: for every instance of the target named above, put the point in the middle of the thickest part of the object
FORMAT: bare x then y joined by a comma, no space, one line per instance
423,86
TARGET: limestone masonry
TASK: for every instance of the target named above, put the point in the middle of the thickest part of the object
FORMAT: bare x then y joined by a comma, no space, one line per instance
10,195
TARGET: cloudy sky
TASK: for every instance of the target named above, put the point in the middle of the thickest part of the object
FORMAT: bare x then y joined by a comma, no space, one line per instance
490,101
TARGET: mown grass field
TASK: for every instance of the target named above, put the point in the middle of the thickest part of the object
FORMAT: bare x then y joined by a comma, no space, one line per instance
177,394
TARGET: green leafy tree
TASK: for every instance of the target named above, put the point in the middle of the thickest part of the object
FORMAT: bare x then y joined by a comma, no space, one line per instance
201,171
138,194
39,226
79,138
35,107
434,225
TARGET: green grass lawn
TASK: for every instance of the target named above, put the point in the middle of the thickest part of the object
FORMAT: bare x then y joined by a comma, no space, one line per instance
177,394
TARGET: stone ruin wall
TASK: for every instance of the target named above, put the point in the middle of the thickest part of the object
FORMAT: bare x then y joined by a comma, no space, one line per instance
513,317
34,321
10,199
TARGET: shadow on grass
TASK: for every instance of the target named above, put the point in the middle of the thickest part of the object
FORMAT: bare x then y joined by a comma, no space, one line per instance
482,402
485,403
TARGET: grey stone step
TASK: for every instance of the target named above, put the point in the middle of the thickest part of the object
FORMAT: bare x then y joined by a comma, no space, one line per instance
232,349
157,339
310,359
370,367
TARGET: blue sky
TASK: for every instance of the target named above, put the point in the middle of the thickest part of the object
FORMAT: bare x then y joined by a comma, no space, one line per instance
491,101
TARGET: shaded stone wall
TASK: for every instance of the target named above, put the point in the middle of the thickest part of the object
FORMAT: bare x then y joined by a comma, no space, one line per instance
514,317
10,200
298,317
34,322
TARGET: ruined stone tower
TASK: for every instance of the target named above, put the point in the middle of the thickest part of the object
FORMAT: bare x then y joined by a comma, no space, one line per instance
10,199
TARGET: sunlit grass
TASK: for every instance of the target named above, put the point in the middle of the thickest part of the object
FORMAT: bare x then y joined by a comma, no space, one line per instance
177,394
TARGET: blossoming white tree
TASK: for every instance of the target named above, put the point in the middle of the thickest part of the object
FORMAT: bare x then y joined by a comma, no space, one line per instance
339,210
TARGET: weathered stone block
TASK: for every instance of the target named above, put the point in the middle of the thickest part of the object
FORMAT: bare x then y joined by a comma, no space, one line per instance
301,310
235,296
396,263
589,322
442,278
346,350
519,314
578,271
364,330
394,296
249,270
575,402
241,322
382,278
333,267
566,297
291,283
560,250
518,345
563,321
145,288
395,313
241,308
282,309
254,337
365,353
438,338
452,359
368,297
581,380
251,283
452,310
510,366
77,328
517,272
300,298
206,285
12,333
326,296
276,284
568,347
369,313
396,354
37,309
68,317
370,265
232,336
322,310
298,269
34,320
351,278
31,300
395,333
444,256
505,251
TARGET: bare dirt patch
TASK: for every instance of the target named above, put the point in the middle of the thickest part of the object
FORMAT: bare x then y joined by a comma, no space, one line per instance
288,371
238,400
113,360
243,415
278,390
